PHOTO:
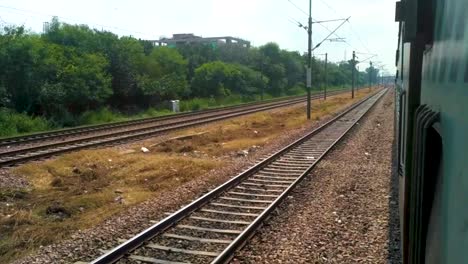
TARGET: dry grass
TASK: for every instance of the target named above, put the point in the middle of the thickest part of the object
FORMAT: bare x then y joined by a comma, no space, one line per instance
228,137
81,189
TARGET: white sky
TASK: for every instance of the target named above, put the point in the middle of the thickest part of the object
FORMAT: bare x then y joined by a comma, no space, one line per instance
372,28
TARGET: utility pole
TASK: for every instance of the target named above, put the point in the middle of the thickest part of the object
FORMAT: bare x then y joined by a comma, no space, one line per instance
326,77
353,73
309,68
370,75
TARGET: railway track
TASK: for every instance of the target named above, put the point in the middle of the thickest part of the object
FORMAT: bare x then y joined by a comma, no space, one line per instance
213,227
41,145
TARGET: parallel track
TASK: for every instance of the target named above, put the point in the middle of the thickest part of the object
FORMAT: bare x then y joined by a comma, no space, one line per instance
32,147
212,228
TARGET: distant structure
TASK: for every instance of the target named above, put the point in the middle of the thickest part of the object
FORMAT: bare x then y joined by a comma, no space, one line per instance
183,39
45,27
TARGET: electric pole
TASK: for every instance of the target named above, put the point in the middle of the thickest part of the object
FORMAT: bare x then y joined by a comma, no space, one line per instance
309,68
326,78
353,73
370,75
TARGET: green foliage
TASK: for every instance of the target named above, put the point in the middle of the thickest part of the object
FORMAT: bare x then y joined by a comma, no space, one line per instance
219,79
215,79
103,115
75,75
163,75
12,123
207,103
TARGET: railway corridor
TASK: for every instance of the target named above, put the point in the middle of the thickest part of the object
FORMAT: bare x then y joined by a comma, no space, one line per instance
89,243
213,227
346,212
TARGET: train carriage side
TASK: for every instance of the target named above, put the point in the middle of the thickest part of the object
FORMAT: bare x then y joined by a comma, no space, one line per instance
432,94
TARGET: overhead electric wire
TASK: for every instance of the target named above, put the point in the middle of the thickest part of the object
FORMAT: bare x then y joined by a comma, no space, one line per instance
350,25
331,33
321,24
331,8
300,9
331,20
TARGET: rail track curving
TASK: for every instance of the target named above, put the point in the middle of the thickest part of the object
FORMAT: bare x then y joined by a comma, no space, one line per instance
213,227
36,146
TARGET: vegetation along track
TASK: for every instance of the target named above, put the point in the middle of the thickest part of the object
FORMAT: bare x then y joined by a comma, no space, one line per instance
26,148
214,226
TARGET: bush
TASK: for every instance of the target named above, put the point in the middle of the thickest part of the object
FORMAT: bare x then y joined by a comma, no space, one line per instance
196,104
12,123
103,115
296,90
153,112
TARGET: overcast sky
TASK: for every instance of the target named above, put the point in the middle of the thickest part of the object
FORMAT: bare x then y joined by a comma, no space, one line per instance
371,29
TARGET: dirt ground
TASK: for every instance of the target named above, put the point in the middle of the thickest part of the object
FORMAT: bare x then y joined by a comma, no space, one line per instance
56,199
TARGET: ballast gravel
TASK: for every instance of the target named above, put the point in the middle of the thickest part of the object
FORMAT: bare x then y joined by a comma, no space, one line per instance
86,245
346,211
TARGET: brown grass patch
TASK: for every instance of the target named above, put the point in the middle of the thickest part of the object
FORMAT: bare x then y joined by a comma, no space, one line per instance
81,189
227,137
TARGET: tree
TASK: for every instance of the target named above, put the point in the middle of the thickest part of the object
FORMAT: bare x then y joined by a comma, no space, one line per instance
163,75
215,79
273,68
74,82
294,68
18,74
197,55
73,68
372,75
251,82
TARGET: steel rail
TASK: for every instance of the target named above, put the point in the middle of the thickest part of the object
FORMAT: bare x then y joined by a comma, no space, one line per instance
137,241
94,128
9,141
46,150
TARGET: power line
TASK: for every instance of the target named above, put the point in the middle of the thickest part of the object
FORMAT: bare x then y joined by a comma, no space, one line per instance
359,38
331,8
300,9
350,25
321,24
331,33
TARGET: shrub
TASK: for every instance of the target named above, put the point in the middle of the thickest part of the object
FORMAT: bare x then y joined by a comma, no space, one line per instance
12,123
103,115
